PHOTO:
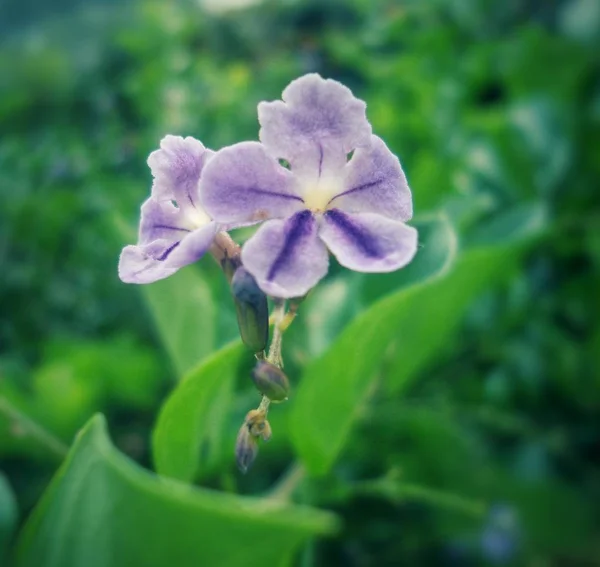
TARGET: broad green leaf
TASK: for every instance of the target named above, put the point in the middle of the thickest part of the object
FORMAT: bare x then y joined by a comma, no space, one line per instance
185,316
189,434
417,319
335,385
8,515
424,327
323,315
334,303
183,309
435,239
103,510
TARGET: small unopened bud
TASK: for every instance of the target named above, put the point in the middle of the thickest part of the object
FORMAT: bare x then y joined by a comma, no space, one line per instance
266,432
271,381
259,426
246,448
251,309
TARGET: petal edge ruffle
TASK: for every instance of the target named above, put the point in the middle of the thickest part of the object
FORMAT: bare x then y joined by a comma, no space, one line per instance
314,110
375,183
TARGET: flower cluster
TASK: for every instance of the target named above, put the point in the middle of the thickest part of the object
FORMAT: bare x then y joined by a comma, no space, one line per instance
319,181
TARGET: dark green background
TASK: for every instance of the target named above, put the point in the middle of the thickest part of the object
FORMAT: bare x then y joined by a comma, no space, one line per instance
493,109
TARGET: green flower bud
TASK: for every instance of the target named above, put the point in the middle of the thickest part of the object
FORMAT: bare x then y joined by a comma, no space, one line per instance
271,381
246,448
229,265
252,310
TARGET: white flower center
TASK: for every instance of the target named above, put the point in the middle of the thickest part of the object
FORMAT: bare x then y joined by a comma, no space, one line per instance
196,217
318,193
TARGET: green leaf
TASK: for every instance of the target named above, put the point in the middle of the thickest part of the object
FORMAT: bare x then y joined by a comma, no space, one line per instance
424,327
8,514
335,302
418,319
185,316
334,386
517,225
324,313
189,434
183,309
436,241
103,510
22,435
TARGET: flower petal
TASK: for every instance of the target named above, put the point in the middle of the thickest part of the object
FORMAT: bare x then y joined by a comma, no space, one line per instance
162,220
193,246
375,183
286,256
176,168
313,111
161,258
141,264
242,184
368,242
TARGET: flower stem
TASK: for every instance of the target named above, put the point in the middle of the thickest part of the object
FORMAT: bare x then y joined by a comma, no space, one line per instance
226,253
280,321
279,316
274,356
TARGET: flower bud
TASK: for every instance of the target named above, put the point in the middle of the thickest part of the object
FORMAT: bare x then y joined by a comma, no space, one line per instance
251,309
266,431
246,448
271,381
258,425
229,265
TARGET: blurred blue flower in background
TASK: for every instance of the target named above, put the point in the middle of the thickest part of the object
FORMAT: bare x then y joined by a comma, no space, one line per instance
500,538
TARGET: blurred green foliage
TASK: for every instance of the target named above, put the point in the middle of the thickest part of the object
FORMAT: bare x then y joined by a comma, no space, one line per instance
451,409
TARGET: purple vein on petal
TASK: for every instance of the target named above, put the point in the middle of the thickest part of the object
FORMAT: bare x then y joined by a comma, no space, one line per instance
166,227
274,194
361,238
144,269
362,187
320,159
292,239
161,258
166,253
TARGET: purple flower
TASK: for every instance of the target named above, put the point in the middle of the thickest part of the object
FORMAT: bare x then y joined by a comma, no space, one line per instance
322,181
174,228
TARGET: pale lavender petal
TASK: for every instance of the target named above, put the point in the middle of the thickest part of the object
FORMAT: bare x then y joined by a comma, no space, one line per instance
176,168
313,111
368,242
323,159
375,183
141,264
242,184
162,220
159,259
286,256
193,246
